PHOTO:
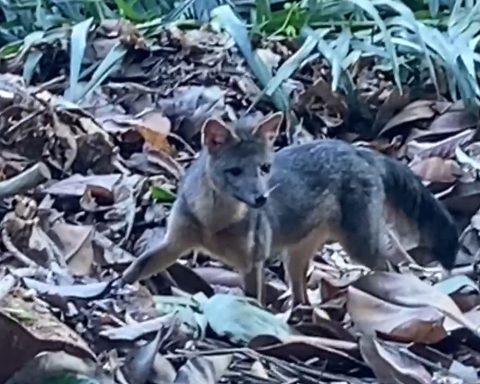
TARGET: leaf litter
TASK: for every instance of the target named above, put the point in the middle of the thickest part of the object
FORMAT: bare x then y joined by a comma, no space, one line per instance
89,166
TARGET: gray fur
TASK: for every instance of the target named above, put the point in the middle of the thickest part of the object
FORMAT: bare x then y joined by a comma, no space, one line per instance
320,191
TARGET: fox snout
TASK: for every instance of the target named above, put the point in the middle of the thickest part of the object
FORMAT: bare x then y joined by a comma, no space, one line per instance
259,201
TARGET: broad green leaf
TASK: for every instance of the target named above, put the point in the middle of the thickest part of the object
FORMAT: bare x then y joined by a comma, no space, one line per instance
236,318
30,64
263,10
127,11
10,48
78,43
162,195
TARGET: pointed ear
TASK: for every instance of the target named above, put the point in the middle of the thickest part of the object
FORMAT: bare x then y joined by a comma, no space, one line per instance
215,133
268,128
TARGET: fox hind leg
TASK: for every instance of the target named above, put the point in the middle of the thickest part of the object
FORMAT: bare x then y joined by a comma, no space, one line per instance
363,231
296,261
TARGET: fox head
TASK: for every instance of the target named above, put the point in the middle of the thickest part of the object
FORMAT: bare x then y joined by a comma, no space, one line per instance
239,157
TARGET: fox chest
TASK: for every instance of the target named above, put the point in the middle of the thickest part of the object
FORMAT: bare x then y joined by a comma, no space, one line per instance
232,245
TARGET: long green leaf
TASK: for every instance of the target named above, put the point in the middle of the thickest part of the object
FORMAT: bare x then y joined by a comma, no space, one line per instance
236,28
30,64
78,43
291,65
369,8
107,66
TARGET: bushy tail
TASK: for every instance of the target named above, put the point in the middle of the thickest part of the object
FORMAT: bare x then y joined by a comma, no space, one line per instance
405,191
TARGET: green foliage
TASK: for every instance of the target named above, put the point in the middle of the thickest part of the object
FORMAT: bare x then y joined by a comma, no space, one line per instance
438,36
162,194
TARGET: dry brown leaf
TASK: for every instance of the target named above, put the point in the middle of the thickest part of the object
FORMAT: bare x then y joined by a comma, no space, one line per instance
76,243
339,353
203,369
444,148
77,185
436,169
417,110
410,292
372,314
154,127
390,365
27,328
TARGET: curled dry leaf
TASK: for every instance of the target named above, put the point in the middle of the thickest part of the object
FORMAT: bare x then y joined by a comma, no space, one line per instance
390,364
308,347
219,276
444,148
78,291
134,331
77,185
140,360
436,169
416,110
162,371
372,314
75,242
154,128
409,292
188,280
203,369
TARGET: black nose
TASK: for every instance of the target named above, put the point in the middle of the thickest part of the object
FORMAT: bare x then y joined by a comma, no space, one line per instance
260,200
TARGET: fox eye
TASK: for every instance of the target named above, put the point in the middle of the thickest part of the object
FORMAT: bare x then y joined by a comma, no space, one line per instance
235,171
265,168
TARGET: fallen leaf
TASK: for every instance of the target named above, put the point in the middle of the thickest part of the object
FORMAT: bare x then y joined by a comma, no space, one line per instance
436,169
410,292
203,369
154,127
390,364
76,291
139,362
304,348
27,329
239,320
372,313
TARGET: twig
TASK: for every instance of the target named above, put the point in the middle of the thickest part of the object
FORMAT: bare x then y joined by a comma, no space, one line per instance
26,180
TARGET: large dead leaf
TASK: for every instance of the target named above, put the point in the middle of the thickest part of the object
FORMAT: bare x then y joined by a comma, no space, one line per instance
372,314
307,347
203,369
27,329
390,364
406,291
436,169
154,127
